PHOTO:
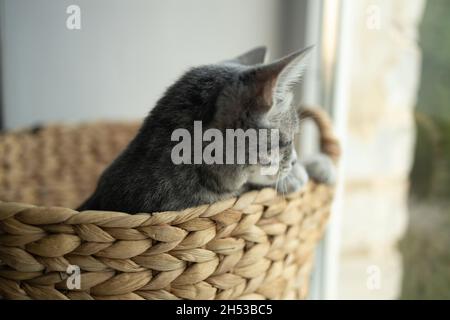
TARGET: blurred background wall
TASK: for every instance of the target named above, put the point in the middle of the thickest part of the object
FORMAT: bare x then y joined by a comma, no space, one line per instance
126,52
385,74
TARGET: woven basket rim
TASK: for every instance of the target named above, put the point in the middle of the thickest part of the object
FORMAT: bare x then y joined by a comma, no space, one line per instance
261,196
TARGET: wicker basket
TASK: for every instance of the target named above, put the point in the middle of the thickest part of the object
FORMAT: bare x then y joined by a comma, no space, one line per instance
257,246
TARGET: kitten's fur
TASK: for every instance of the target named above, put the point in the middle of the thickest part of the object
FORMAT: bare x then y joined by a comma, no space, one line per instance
240,93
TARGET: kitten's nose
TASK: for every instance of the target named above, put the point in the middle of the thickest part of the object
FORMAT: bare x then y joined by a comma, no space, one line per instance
293,158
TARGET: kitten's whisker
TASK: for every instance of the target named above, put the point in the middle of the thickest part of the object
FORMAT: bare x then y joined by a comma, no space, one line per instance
284,190
277,180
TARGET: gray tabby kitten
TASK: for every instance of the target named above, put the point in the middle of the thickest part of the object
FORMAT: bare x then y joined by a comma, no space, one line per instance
243,93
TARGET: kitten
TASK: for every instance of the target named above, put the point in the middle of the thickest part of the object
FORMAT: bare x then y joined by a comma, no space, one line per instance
243,93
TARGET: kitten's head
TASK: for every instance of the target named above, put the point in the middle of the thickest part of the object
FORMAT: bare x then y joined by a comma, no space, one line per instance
261,97
245,93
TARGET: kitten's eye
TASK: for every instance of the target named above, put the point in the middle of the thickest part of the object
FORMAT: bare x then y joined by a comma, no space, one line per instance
278,100
286,143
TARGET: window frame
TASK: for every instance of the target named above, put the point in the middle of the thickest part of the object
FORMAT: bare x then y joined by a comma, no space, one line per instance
326,85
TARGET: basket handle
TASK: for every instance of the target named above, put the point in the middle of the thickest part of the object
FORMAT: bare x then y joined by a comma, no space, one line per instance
329,144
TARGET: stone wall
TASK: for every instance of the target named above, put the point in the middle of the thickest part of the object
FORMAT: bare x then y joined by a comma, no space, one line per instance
379,147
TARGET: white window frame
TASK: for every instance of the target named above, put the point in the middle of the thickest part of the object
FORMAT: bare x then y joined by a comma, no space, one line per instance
327,85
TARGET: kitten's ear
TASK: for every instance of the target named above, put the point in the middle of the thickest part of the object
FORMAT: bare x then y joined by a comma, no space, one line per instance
275,80
250,58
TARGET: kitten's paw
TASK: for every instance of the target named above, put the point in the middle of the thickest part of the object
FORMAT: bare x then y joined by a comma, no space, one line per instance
295,181
321,169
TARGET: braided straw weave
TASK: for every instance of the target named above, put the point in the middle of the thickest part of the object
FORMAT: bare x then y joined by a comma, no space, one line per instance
257,246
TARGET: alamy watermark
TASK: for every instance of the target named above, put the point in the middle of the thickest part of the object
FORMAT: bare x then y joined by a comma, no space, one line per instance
373,17
73,282
73,21
236,146
373,277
